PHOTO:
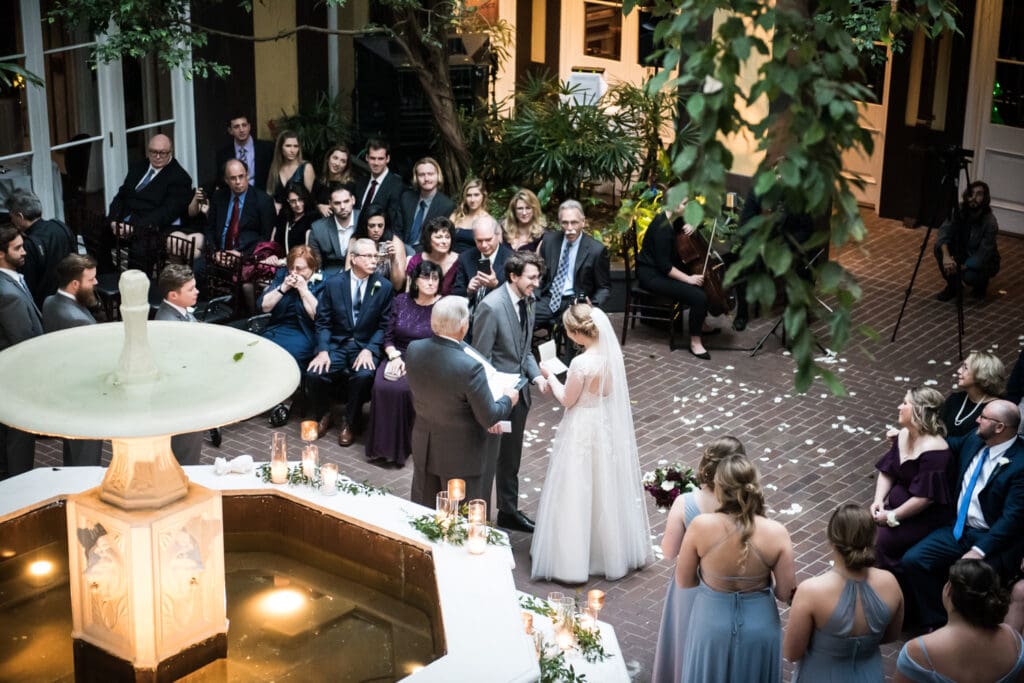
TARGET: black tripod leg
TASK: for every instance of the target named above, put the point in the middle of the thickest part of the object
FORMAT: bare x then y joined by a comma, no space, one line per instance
760,343
910,285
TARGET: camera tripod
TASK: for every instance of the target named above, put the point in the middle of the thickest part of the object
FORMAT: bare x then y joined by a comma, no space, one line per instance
954,161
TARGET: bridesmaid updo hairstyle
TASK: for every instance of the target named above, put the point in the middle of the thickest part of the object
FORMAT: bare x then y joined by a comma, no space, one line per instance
738,489
578,320
924,414
851,531
719,448
976,594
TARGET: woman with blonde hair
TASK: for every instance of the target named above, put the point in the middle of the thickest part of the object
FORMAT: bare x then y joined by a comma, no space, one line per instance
592,517
288,167
472,206
668,656
524,223
980,378
732,557
912,493
839,619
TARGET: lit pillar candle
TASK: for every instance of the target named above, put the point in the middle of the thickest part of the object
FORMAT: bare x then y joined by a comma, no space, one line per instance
309,430
528,623
442,505
477,511
588,620
595,600
477,541
329,477
278,459
456,492
310,457
563,638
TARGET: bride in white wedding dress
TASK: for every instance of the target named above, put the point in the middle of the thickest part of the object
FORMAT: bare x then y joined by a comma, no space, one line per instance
592,518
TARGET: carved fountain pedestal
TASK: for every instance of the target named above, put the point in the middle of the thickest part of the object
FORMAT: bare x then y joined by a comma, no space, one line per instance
146,549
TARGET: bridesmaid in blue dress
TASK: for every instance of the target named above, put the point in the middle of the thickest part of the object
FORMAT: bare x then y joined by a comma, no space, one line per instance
389,436
291,300
668,656
839,619
732,557
973,645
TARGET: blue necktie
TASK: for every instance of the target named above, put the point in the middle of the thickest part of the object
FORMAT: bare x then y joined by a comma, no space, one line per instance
417,222
965,504
145,179
558,284
357,303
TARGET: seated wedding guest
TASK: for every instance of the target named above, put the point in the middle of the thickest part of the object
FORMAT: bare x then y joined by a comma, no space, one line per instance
288,167
238,216
350,324
974,645
389,436
291,300
989,522
675,619
660,270
839,619
330,236
475,279
979,379
294,221
424,202
1015,387
733,556
912,493
336,171
524,223
436,246
375,225
472,206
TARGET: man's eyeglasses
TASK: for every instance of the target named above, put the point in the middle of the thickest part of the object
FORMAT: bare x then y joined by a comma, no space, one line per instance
989,419
371,255
160,153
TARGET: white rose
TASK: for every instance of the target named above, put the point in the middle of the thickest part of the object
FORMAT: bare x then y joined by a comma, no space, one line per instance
667,485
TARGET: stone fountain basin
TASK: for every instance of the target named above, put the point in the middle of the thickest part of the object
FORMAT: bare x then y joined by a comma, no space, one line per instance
477,624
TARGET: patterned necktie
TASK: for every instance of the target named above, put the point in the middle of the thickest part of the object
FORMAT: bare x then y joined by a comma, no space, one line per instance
558,284
373,191
417,222
231,240
21,281
241,156
523,316
145,179
965,504
357,302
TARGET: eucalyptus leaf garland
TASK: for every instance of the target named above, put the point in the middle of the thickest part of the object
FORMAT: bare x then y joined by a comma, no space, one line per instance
297,477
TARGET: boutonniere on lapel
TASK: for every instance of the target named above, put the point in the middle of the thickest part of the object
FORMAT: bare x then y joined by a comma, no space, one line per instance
376,286
1003,461
317,276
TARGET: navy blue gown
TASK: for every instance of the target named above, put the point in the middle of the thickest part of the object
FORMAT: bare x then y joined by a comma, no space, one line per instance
290,326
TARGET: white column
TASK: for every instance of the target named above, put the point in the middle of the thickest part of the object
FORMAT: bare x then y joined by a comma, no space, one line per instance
333,81
110,89
35,96
184,108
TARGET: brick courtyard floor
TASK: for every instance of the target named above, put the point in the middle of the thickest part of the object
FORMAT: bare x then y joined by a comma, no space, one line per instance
815,450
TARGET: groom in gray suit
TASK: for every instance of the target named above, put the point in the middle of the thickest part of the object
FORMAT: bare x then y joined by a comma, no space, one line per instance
454,407
76,280
502,333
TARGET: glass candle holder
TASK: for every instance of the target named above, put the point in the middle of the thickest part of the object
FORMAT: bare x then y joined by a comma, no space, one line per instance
555,601
328,478
564,637
477,511
476,542
588,620
442,506
278,458
595,601
456,492
567,611
309,430
310,460
527,622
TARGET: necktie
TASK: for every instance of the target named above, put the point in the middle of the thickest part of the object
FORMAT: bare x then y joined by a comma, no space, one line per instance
965,504
369,195
558,284
231,240
145,179
241,156
417,222
21,281
523,317
357,302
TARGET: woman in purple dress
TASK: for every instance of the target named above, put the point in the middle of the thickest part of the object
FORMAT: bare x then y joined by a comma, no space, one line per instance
389,437
912,494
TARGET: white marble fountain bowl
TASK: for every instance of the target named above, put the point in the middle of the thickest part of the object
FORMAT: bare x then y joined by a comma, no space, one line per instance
63,383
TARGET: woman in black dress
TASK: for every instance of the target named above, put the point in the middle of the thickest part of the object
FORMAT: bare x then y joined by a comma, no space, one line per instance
979,379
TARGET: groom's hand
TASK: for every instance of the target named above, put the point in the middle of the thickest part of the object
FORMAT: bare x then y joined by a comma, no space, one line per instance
542,384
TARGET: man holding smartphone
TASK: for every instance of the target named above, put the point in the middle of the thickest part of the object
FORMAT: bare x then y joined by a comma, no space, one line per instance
482,269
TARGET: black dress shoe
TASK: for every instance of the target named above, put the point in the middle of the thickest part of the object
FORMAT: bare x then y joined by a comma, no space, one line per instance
215,437
739,324
279,415
515,521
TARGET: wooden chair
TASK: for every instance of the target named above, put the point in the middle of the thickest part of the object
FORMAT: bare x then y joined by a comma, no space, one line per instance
641,303
144,239
224,277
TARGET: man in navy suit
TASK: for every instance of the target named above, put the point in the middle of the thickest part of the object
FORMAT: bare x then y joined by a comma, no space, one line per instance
350,324
989,522
472,282
239,216
257,155
19,320
383,187
423,202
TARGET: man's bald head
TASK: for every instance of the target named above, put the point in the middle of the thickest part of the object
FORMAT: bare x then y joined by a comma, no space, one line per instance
486,234
236,177
998,422
159,151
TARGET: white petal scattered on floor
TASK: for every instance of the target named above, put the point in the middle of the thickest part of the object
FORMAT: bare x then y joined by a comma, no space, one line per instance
663,462
767,450
764,459
821,450
793,509
777,399
537,489
931,361
523,496
527,479
794,460
835,425
676,411
771,487
841,417
809,442
728,413
827,464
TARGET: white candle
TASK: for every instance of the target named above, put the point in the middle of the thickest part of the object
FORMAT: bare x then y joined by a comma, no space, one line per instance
477,511
310,457
308,429
279,471
329,477
477,541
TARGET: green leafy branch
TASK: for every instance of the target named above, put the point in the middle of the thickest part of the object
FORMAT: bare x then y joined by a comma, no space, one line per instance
297,477
453,530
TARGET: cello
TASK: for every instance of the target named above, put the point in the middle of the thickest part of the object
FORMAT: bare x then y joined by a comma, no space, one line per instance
699,258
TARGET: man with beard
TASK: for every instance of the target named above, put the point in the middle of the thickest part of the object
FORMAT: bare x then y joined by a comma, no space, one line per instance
19,320
69,307
967,243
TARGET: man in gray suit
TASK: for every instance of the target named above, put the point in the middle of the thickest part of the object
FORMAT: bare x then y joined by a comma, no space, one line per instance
502,332
76,280
454,407
19,320
330,235
178,287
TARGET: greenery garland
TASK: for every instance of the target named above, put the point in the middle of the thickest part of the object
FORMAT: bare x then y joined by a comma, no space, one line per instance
587,642
454,531
297,477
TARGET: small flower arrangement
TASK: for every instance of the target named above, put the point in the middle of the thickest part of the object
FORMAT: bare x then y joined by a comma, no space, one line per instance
666,482
452,529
